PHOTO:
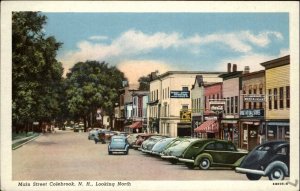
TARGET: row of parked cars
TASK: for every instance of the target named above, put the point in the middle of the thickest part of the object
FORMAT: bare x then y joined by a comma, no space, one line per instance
269,159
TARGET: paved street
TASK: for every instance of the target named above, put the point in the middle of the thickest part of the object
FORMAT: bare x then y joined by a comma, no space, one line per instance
66,155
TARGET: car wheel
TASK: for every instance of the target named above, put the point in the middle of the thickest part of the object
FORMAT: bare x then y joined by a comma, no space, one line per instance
190,165
204,163
276,174
253,176
173,161
109,152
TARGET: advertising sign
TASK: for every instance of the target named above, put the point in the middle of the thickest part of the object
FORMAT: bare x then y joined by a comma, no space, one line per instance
216,107
179,94
249,113
254,98
185,116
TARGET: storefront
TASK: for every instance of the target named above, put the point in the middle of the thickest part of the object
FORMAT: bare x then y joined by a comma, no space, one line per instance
277,130
251,131
229,130
184,129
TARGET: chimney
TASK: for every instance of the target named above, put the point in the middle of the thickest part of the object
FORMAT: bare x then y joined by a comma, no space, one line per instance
234,68
229,67
246,70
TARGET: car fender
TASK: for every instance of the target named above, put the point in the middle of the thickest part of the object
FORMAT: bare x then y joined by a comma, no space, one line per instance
277,164
238,162
200,156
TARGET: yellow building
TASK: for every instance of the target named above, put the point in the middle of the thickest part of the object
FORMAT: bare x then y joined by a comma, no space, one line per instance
277,88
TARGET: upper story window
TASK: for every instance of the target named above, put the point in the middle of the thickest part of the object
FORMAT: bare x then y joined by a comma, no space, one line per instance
275,98
287,96
281,97
270,98
185,89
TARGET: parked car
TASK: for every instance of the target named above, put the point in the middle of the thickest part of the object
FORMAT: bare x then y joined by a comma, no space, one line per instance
140,139
161,145
132,139
173,153
118,144
148,144
93,133
206,153
270,159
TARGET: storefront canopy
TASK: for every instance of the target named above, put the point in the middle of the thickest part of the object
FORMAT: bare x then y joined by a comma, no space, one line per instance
135,125
208,126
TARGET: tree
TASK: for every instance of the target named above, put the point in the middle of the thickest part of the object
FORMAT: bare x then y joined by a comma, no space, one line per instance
144,81
36,74
92,85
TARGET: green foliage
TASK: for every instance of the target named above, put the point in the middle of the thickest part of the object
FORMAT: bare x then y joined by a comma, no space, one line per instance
92,85
36,74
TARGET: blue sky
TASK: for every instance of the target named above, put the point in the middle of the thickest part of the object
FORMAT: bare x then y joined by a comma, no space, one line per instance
144,42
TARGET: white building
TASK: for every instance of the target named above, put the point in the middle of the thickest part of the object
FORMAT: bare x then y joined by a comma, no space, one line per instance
170,101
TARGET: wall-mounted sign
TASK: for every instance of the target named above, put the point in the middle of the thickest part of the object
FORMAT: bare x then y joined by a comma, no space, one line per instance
216,107
185,116
208,118
179,94
249,113
254,98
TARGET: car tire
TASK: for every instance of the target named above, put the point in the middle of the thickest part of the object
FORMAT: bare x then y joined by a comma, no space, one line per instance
126,153
109,152
253,176
173,161
276,174
204,164
190,165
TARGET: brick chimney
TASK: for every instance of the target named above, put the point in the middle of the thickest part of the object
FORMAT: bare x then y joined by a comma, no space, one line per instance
229,67
234,68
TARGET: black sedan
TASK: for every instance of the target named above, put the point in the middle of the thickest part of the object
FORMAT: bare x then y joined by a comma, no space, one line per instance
270,159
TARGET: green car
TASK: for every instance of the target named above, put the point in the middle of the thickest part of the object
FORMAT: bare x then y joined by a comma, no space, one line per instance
206,153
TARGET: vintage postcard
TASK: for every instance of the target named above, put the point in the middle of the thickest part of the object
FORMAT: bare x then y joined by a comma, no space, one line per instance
149,95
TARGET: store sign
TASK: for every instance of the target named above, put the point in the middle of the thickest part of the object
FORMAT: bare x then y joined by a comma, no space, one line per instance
254,98
249,113
217,107
208,118
185,116
179,94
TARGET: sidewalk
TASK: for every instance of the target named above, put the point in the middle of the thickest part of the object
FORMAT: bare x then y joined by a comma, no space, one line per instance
22,141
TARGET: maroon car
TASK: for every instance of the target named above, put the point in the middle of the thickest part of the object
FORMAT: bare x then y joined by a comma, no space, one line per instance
140,139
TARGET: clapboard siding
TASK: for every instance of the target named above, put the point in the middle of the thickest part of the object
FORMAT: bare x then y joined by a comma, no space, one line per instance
275,78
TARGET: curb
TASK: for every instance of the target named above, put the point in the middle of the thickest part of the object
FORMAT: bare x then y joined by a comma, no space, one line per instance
14,148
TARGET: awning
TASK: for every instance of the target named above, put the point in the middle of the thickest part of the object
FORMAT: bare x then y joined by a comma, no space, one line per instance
208,126
135,125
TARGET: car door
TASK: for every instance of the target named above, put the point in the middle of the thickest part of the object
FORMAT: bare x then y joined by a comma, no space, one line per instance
219,154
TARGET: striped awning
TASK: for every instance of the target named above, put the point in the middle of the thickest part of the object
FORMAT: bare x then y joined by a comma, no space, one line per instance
135,125
208,126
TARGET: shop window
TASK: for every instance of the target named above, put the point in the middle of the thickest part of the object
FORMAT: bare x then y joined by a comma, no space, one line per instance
287,96
281,97
270,99
275,99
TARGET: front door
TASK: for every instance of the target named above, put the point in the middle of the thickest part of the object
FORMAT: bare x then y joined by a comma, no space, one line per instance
252,136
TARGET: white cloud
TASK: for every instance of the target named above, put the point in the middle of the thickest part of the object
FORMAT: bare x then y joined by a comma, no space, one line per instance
134,69
98,38
134,42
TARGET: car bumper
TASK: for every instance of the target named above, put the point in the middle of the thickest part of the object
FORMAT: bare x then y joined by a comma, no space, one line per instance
250,171
186,160
117,150
155,153
145,151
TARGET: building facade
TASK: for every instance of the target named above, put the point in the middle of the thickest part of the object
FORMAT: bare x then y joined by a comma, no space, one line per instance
252,112
170,101
229,129
277,87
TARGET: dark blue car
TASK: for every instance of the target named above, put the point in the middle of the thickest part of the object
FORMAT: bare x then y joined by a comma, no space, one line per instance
270,159
118,144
